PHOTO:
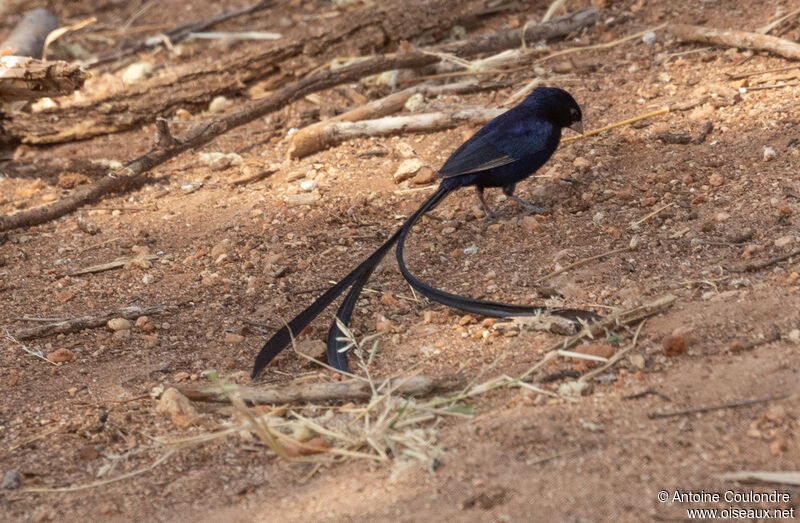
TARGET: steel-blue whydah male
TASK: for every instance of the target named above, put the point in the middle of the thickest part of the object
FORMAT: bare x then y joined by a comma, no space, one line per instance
503,152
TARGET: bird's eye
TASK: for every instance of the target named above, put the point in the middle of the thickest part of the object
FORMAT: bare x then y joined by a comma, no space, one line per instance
573,113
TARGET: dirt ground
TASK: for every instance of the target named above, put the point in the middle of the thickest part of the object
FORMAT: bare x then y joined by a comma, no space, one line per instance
232,260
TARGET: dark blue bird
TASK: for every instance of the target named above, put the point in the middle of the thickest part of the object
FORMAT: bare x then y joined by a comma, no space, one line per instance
503,152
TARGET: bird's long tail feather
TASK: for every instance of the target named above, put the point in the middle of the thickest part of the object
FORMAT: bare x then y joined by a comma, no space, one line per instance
357,278
484,307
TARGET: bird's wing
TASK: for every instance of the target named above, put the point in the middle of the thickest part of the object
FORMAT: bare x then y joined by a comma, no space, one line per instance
479,153
502,141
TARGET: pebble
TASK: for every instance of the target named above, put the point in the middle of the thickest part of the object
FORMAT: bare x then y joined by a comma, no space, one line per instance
573,389
147,279
637,360
382,323
649,38
218,104
716,179
137,72
581,163
64,296
298,174
680,138
673,345
407,169
562,67
530,224
794,336
507,328
387,298
61,356
778,446
592,349
219,161
769,154
88,453
467,319
301,199
219,249
312,348
308,185
424,176
178,407
118,324
11,480
316,445
232,338
404,150
784,241
414,103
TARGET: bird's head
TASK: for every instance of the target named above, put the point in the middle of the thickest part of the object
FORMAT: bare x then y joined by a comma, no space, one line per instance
557,106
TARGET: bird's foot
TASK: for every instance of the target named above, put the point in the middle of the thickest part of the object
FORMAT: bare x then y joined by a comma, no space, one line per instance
489,214
527,207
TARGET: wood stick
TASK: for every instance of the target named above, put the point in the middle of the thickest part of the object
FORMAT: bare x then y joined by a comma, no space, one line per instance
275,63
336,132
709,408
757,266
762,476
87,321
609,322
116,264
322,135
740,39
23,78
350,390
205,131
180,33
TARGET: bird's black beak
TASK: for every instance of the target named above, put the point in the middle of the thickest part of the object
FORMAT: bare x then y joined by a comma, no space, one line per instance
577,127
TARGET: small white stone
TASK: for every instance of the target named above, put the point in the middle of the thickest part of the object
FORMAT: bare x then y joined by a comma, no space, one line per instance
147,279
137,72
218,104
769,153
649,38
308,185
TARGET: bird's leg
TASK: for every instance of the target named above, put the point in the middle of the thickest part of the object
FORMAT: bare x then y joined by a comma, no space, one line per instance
489,212
508,190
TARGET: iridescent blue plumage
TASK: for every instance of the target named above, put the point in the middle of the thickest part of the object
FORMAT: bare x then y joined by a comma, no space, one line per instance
503,152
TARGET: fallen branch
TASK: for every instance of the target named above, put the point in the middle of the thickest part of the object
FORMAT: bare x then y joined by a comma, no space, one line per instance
116,264
581,262
337,132
709,408
100,483
87,321
757,266
275,63
609,322
740,39
328,133
205,131
180,33
350,390
23,78
762,476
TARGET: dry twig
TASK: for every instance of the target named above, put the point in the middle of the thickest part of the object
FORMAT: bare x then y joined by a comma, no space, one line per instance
709,408
740,39
205,131
87,321
350,390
